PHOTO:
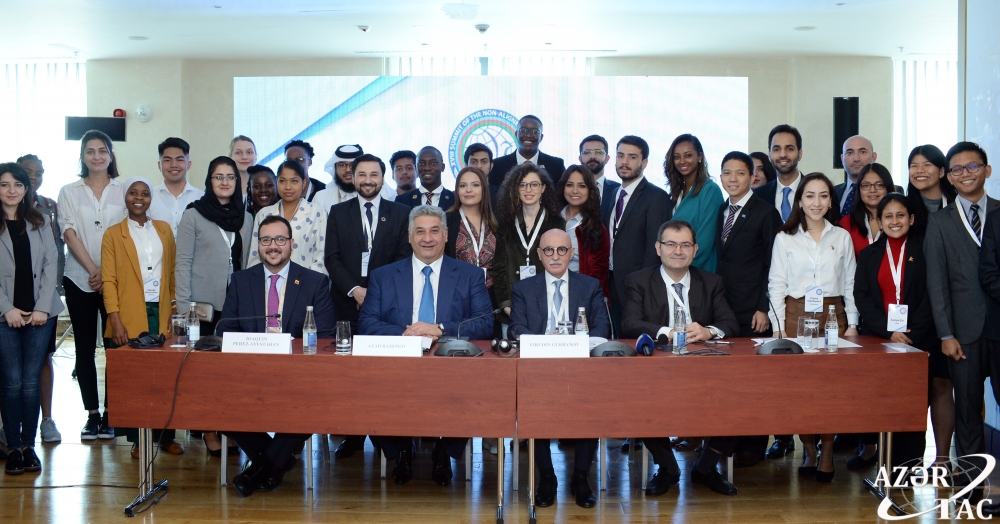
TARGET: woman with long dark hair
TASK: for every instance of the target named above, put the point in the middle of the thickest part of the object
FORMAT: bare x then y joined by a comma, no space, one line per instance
763,170
87,208
29,305
809,252
874,182
696,197
527,207
929,188
581,208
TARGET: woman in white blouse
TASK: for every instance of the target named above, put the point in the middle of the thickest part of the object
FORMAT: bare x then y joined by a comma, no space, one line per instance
87,208
308,220
809,252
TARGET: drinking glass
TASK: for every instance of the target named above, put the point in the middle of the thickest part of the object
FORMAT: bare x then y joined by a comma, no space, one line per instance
343,334
178,328
806,333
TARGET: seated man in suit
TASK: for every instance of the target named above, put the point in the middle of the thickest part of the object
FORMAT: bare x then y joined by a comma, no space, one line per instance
257,295
427,295
529,136
537,304
430,166
651,296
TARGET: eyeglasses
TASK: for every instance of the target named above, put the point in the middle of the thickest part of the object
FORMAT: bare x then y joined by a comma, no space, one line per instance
266,241
529,185
340,165
972,168
593,152
300,160
671,246
529,131
868,186
562,250
227,178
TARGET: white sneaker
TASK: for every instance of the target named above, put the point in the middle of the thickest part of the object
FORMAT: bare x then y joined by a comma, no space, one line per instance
490,444
49,431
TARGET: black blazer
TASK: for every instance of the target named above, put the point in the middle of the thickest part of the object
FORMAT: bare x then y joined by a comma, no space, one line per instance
315,186
529,310
869,299
246,297
608,199
345,242
416,197
502,165
989,273
744,260
647,306
634,247
510,255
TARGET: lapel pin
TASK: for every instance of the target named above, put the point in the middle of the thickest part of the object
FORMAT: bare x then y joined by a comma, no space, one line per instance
296,282
383,219
415,197
911,259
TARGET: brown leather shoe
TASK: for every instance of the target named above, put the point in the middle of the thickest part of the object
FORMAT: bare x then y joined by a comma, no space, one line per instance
172,447
135,451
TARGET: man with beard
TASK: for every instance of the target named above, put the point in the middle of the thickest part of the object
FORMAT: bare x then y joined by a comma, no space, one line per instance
594,154
640,209
342,190
404,171
302,152
529,136
430,166
785,145
362,234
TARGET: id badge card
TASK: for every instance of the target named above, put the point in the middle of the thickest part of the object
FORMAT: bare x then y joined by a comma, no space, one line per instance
814,299
151,287
364,263
527,272
897,318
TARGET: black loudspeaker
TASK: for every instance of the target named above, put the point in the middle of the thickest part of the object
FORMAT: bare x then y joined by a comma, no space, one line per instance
77,126
845,125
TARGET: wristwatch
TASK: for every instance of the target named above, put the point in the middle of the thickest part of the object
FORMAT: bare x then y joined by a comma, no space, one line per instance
852,326
715,332
441,327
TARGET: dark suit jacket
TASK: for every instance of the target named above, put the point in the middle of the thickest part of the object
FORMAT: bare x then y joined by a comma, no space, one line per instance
510,255
345,242
869,299
608,199
647,306
246,297
634,247
315,186
745,259
416,197
957,297
462,295
502,165
529,310
989,273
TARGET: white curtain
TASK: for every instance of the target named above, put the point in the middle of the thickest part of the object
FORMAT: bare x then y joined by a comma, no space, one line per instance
925,109
493,66
35,99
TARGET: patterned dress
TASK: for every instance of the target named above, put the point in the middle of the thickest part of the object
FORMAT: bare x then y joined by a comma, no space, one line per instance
308,235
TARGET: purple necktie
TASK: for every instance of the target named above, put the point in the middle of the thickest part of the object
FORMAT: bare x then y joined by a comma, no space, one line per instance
728,227
272,302
619,208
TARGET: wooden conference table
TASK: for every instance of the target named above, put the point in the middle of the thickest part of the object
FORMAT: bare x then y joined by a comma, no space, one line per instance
869,389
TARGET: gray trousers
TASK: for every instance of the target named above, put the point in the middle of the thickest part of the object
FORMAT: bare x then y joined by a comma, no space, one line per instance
968,376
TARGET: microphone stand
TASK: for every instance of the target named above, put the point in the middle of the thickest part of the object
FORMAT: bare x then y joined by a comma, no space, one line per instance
459,347
781,345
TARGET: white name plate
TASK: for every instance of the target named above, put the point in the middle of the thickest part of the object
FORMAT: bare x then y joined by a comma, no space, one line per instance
265,343
380,346
554,346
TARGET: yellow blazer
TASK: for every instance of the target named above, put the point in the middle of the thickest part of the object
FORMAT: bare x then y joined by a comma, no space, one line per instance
122,278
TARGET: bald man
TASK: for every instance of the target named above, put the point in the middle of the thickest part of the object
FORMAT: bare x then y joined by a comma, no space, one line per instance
857,153
537,305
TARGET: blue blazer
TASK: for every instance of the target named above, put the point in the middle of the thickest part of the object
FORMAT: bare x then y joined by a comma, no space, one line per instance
529,309
462,294
416,197
246,297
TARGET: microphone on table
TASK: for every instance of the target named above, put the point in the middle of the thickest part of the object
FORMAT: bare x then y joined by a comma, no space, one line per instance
457,346
214,342
781,345
611,322
614,348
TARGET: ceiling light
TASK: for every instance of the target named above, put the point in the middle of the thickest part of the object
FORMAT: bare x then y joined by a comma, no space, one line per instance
423,43
138,38
461,11
804,28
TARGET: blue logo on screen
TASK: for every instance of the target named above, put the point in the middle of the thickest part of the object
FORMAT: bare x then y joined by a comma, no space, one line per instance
492,127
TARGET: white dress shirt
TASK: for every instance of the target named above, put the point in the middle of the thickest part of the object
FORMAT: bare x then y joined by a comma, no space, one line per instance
611,220
799,262
169,208
779,192
89,217
364,220
333,195
741,202
600,187
308,235
282,280
418,284
550,293
533,160
967,204
571,225
435,197
149,248
685,296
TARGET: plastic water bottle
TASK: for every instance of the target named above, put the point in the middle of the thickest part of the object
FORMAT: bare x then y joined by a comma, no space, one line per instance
193,324
309,333
832,329
581,327
680,328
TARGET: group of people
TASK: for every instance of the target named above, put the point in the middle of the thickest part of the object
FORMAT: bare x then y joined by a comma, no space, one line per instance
526,236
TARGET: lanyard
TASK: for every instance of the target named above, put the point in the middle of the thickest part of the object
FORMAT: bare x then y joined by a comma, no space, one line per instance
624,205
230,239
527,246
563,311
896,269
369,229
872,239
477,246
677,300
968,227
